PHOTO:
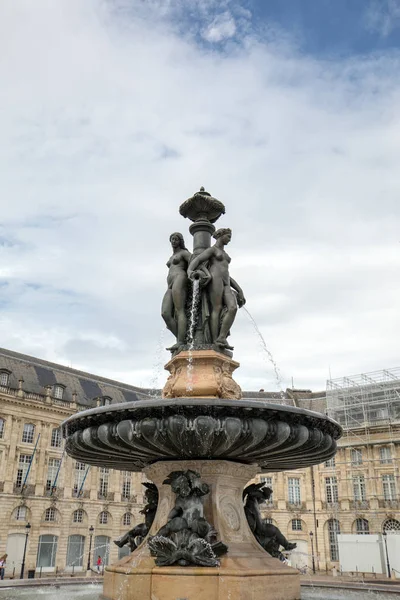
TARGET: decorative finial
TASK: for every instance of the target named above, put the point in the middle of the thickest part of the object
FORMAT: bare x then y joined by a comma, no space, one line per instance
202,189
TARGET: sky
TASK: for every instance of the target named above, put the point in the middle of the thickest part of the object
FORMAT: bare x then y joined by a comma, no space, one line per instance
113,112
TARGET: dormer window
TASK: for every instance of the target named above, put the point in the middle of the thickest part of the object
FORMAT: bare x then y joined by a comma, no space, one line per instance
4,377
58,392
106,400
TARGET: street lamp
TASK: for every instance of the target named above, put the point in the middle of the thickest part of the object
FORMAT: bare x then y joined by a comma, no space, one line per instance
91,529
27,529
384,533
312,551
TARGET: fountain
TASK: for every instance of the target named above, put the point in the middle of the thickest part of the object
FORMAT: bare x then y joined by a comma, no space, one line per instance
200,444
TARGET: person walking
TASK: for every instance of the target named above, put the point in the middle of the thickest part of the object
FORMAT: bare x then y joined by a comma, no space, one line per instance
99,563
3,560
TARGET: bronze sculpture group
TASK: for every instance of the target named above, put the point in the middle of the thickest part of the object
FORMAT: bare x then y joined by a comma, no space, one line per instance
221,295
187,538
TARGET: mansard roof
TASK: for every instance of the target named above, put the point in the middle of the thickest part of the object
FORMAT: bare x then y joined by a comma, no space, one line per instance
38,374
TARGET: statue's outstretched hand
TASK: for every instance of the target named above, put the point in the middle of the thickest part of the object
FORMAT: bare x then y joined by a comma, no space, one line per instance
241,300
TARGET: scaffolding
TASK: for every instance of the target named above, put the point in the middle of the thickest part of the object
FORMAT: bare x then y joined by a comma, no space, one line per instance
368,408
362,401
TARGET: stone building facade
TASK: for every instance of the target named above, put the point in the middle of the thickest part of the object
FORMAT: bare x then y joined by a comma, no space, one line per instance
73,509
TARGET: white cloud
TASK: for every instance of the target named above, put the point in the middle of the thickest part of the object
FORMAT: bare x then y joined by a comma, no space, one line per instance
221,28
111,117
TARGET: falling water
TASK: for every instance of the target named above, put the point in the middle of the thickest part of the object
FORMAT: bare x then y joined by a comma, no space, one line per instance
267,353
192,328
158,366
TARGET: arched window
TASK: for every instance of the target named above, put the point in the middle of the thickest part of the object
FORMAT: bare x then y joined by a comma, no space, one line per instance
362,526
78,516
391,526
333,530
103,518
47,550
127,519
50,514
75,550
20,513
56,437
2,422
296,525
28,433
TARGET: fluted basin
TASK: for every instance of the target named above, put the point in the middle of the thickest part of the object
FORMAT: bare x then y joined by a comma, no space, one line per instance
131,436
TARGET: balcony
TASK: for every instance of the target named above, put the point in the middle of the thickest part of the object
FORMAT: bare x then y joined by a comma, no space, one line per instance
389,504
359,504
109,496
295,506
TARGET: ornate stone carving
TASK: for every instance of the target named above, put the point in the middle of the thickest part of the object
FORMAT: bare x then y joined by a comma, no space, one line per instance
209,375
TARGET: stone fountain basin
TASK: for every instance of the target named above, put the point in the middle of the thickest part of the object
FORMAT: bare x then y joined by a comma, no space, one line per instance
133,435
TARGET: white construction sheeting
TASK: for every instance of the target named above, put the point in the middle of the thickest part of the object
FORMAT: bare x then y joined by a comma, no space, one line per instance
362,553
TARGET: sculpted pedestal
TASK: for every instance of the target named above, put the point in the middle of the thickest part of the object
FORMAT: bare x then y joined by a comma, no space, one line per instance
247,572
201,374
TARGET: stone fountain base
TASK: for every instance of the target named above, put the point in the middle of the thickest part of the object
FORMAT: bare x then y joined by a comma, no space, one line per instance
201,374
247,572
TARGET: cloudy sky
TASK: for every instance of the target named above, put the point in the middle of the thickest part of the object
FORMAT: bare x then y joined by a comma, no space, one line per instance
112,112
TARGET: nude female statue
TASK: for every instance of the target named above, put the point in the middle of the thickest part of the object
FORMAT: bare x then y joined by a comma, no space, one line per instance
173,304
223,301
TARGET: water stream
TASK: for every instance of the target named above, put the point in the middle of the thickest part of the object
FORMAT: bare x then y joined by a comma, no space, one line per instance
267,354
192,329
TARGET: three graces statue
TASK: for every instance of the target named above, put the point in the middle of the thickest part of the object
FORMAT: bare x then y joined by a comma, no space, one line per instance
200,286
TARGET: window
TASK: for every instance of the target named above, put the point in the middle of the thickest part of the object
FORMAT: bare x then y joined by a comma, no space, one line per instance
356,456
23,466
333,530
28,433
330,462
127,519
391,526
362,526
294,490
20,513
124,551
50,514
4,378
106,400
359,488
101,548
385,454
75,550
47,550
269,521
296,525
126,485
56,438
58,392
1,428
52,470
103,482
266,480
103,518
79,476
78,516
331,490
389,487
